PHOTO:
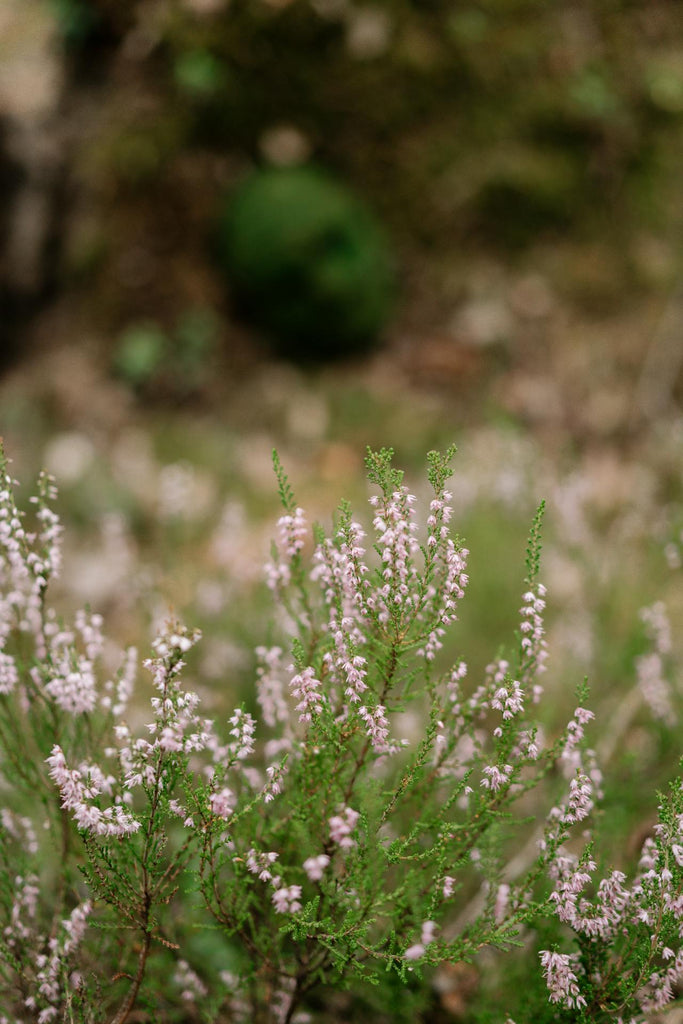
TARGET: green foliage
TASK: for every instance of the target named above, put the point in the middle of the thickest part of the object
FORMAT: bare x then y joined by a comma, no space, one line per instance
198,73
524,195
140,353
307,263
76,19
533,551
148,358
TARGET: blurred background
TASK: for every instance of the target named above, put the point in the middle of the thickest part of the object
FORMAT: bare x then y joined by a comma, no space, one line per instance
228,225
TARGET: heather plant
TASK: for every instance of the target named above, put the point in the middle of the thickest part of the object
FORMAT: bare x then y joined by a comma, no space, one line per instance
315,838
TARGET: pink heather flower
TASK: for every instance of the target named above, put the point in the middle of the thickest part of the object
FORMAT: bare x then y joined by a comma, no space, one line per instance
243,729
448,886
658,991
315,866
175,807
340,575
649,856
377,726
50,966
428,929
349,664
608,911
286,900
273,786
26,563
78,786
24,906
292,533
509,698
561,980
451,591
657,626
341,827
9,677
456,580
526,746
414,952
89,626
74,689
575,734
291,538
453,687
20,829
305,686
570,881
501,903
497,775
439,513
583,716
50,531
260,864
351,566
193,988
580,802
269,686
396,542
354,670
533,644
654,687
177,725
75,926
126,682
222,803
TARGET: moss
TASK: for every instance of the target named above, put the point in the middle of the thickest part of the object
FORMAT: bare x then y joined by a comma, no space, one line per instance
307,263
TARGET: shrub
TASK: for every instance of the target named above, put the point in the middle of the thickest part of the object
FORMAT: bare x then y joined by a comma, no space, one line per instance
307,263
322,846
177,363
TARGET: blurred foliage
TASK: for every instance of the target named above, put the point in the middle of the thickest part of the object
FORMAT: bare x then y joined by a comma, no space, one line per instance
470,128
150,360
402,94
76,20
307,263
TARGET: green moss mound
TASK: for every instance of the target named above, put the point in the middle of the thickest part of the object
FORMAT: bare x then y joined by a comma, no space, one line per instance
307,263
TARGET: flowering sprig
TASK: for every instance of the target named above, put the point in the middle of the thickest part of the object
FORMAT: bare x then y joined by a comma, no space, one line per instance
325,839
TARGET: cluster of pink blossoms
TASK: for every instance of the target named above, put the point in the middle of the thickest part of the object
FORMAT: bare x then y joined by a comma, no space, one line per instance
80,787
341,827
496,776
270,690
27,562
377,725
653,900
650,667
50,966
396,527
292,532
306,689
417,951
315,866
559,970
508,698
49,959
533,641
286,898
439,604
